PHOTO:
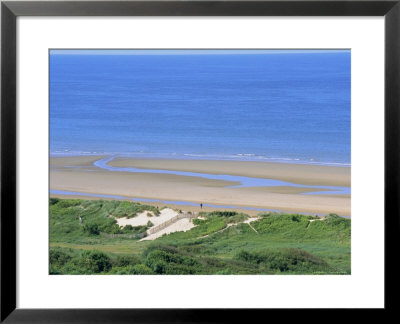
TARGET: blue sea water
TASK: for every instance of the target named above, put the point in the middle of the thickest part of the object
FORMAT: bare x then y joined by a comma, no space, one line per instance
290,106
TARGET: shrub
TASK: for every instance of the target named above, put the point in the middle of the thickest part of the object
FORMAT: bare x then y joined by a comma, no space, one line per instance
110,226
125,260
334,220
224,213
159,247
91,229
54,201
141,269
197,221
121,270
53,270
292,225
284,259
66,203
245,256
168,260
139,229
58,257
95,261
226,271
131,209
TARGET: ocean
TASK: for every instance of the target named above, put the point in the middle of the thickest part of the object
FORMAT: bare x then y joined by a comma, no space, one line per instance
275,106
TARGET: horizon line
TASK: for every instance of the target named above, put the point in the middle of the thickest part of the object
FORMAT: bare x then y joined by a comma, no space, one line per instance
192,51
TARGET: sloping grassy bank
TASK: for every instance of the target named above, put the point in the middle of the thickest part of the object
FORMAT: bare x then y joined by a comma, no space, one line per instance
220,243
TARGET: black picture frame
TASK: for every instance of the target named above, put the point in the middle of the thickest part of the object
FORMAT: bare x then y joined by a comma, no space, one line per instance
10,10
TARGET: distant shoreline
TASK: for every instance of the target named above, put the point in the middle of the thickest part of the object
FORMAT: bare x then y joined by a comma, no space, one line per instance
204,157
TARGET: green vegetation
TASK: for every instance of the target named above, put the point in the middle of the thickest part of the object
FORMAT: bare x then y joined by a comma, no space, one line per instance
284,260
85,239
75,218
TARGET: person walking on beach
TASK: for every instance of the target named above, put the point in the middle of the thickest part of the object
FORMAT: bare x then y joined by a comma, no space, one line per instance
201,206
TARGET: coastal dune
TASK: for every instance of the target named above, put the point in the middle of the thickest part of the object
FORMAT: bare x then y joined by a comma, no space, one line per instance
79,175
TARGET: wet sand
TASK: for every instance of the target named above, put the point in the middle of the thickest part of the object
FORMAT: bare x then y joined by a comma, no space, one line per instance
78,174
306,174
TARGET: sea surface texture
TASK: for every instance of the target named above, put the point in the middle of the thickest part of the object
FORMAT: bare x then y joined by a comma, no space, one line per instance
288,106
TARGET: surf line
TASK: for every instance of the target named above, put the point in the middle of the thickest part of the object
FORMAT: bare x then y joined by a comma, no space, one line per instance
243,181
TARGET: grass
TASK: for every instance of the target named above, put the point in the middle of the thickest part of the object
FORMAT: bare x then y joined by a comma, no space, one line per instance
283,243
76,220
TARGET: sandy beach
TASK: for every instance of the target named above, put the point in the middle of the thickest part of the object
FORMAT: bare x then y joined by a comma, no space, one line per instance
77,174
297,173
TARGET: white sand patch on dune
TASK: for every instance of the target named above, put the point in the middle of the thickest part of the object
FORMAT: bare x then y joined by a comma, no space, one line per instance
165,214
181,225
318,219
250,219
142,218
